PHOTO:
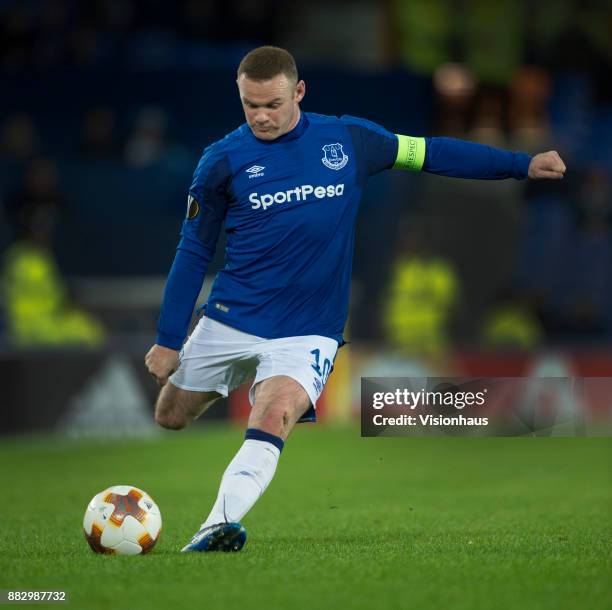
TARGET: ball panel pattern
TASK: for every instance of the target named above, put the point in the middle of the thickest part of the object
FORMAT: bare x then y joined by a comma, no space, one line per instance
94,540
125,547
122,520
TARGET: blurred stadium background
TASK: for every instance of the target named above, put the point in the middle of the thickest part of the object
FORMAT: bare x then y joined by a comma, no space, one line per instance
107,105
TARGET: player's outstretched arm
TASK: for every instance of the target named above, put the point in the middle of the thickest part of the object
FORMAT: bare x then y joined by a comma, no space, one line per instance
547,165
463,159
161,362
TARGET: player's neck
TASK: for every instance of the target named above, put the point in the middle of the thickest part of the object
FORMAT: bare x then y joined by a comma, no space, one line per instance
293,123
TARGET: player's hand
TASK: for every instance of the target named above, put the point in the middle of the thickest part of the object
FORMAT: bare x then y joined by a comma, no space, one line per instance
547,165
161,362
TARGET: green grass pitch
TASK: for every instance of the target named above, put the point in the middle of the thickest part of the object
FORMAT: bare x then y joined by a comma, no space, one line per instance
347,523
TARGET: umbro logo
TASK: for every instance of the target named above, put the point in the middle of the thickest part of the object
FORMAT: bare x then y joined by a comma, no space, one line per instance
255,171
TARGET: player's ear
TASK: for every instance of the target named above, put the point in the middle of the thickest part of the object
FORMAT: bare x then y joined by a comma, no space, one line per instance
239,80
300,91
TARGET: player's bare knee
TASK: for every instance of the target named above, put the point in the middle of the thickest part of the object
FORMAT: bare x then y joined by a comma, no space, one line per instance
168,414
171,420
177,408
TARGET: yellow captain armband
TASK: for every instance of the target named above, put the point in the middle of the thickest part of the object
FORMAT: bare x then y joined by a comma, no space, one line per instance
410,153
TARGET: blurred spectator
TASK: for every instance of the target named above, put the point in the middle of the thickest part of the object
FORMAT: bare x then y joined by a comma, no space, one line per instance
487,37
489,114
146,144
454,87
584,45
19,140
529,122
512,324
422,296
38,312
98,136
491,36
34,208
422,33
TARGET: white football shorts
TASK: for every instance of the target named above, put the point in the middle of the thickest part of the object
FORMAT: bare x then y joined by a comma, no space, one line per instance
219,358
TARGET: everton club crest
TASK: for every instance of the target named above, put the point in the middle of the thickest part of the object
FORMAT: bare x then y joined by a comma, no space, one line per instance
334,157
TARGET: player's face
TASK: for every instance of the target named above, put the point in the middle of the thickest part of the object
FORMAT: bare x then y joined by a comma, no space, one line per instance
271,107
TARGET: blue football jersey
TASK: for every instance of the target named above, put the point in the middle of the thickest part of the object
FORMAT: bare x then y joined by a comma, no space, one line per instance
289,207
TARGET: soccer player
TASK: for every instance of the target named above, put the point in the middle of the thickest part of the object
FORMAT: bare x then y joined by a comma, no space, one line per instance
287,185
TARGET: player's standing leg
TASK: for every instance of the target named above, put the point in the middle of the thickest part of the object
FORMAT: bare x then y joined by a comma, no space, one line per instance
279,402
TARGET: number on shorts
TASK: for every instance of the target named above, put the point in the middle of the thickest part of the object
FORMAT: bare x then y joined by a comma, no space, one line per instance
327,365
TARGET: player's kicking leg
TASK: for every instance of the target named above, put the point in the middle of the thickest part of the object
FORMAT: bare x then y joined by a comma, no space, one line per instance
279,403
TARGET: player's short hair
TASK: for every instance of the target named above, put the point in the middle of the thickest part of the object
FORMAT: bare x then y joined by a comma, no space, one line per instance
264,63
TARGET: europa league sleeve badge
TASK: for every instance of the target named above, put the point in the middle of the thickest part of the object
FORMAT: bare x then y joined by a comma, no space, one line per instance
193,208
